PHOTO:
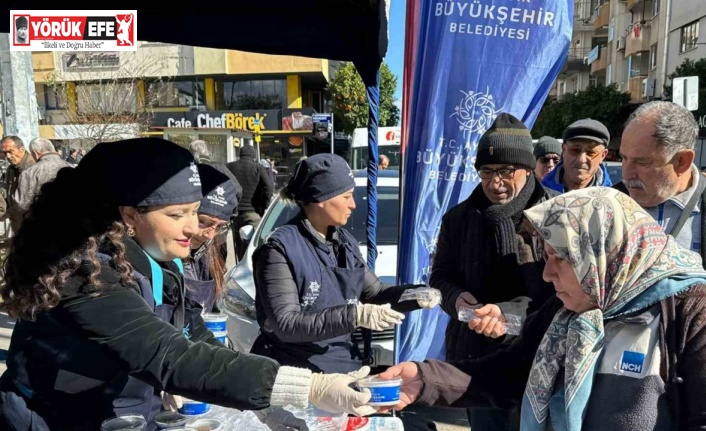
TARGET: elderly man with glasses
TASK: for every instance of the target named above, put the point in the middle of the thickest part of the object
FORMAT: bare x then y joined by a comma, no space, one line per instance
584,149
484,256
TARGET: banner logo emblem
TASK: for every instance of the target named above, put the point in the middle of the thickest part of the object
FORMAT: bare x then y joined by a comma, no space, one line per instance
475,112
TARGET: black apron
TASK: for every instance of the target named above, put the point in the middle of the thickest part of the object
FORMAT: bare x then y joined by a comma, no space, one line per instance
322,284
22,409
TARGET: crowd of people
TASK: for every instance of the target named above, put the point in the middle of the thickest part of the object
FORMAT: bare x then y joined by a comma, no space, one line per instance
607,279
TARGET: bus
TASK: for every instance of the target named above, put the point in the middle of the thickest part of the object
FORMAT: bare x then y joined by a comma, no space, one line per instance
388,144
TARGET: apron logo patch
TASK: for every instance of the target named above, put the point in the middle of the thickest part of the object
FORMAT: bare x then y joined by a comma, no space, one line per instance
632,362
353,301
311,294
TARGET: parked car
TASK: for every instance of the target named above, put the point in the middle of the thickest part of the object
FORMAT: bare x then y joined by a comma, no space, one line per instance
615,170
239,301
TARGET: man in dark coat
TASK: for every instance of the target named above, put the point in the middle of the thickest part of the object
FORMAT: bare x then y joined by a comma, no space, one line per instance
485,258
257,193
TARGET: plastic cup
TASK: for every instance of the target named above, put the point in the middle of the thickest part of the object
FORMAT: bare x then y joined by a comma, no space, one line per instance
193,408
125,423
216,322
382,392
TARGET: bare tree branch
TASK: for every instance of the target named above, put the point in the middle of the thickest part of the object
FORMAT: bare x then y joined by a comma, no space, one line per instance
109,103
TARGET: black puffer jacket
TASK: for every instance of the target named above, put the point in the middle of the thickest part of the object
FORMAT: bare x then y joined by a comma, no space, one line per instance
110,333
252,176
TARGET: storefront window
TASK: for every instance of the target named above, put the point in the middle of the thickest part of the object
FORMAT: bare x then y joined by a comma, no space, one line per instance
255,94
217,142
173,94
55,97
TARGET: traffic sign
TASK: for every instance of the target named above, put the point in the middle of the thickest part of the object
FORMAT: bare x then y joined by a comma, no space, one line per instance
321,118
685,92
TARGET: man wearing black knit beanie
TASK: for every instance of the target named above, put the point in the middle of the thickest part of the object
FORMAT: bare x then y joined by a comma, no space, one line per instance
484,256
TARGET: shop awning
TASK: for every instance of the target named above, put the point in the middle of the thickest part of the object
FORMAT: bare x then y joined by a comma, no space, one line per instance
347,30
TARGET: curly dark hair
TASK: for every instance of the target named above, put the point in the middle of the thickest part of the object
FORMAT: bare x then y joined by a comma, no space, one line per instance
65,226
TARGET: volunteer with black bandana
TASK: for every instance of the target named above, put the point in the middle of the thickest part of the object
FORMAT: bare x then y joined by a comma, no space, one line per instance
313,286
95,280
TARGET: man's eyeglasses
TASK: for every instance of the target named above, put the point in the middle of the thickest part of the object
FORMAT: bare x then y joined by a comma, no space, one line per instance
591,153
545,160
503,173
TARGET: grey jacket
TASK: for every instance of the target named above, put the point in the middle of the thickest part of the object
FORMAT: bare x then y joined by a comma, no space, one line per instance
32,178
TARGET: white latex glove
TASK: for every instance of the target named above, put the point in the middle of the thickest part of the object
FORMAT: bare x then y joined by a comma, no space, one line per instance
171,402
433,300
333,393
465,299
377,317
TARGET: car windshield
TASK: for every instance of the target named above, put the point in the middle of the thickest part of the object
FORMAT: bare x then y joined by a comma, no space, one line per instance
388,205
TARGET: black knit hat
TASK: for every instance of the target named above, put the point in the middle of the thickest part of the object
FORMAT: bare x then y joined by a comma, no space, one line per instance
547,145
506,142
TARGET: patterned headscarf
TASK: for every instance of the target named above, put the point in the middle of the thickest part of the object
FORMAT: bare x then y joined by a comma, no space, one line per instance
624,263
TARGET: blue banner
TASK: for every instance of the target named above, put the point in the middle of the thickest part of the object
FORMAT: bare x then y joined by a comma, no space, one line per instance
465,62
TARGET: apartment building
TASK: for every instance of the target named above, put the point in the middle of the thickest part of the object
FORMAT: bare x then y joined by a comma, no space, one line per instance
184,93
636,44
687,39
687,33
575,75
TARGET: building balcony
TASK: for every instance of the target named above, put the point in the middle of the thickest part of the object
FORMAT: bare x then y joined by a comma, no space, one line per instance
639,43
601,16
582,15
636,88
601,63
577,60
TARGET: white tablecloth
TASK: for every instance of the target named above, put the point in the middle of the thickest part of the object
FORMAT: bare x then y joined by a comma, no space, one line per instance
232,420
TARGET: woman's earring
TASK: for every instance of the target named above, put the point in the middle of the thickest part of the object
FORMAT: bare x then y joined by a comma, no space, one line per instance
130,231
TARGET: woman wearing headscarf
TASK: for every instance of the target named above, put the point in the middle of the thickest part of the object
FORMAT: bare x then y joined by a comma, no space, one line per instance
102,324
205,269
313,286
622,346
